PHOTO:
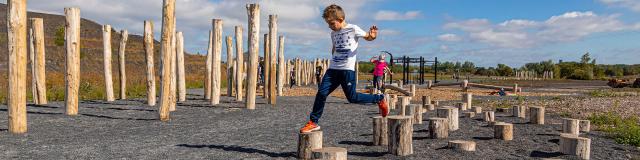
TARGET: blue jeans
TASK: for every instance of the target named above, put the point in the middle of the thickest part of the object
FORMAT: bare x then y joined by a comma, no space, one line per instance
377,81
331,80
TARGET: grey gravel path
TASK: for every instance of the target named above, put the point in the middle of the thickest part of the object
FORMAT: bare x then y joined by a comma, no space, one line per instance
130,130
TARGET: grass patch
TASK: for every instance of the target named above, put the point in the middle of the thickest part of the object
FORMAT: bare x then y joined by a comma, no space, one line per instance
602,93
623,130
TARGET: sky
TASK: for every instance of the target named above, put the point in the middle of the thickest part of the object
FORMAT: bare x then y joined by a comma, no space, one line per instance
485,32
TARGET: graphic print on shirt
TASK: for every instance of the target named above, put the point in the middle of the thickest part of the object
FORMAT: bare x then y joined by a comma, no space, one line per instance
345,42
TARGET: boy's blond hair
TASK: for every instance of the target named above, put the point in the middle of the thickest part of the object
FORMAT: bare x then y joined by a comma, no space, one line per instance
333,12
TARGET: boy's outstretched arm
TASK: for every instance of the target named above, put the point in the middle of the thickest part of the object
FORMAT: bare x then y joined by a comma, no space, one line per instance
372,34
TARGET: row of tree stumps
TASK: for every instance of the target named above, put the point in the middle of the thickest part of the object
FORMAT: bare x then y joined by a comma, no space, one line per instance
396,131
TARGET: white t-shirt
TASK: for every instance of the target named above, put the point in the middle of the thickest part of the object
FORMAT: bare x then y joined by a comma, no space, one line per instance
346,42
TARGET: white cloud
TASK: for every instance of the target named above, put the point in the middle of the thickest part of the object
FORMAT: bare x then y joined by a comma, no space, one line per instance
634,5
385,15
444,48
449,37
519,33
389,32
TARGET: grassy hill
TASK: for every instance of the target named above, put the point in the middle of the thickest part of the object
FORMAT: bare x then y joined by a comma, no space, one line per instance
92,80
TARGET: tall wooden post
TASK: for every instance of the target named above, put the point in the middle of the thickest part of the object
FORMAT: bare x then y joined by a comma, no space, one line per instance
273,57
282,65
172,64
357,71
230,67
239,63
124,36
182,88
217,52
253,13
168,9
148,49
38,61
108,79
265,67
298,68
17,46
72,43
106,32
207,81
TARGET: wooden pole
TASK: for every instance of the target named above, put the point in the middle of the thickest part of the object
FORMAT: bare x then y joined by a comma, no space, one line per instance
536,115
467,98
400,135
265,67
108,79
173,66
230,67
574,145
253,12
239,63
149,52
308,142
182,88
503,131
17,46
438,128
124,36
38,66
72,42
298,72
380,131
273,57
519,111
207,82
168,19
489,116
282,66
329,153
451,114
462,145
571,126
217,52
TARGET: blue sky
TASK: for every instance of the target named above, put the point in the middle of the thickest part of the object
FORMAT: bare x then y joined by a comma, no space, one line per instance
485,32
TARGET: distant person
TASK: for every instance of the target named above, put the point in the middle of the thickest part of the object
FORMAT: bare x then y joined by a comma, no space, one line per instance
380,67
341,72
292,77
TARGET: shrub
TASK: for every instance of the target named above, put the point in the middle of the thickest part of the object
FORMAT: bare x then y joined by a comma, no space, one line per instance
623,130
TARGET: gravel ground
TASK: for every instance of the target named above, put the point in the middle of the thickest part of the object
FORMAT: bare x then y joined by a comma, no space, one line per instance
130,130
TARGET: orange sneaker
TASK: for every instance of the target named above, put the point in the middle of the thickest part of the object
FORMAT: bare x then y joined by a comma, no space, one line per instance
384,108
310,126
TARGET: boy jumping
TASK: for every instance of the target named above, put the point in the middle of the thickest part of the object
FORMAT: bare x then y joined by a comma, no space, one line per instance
341,71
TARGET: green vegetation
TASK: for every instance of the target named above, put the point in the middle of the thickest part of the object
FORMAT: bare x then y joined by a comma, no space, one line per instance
623,130
602,93
59,39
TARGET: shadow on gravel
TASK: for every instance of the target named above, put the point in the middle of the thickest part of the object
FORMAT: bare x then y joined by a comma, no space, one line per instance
124,109
367,154
356,143
108,117
423,130
41,106
556,141
34,112
240,149
3,130
483,138
420,138
364,135
542,154
547,134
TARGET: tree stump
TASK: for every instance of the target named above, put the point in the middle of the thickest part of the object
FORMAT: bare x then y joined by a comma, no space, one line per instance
329,153
426,100
400,135
404,101
519,111
412,90
585,125
536,115
431,107
573,145
503,131
438,128
451,114
429,84
469,114
380,133
416,113
477,110
307,142
436,103
392,101
571,126
489,116
467,98
461,106
462,145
